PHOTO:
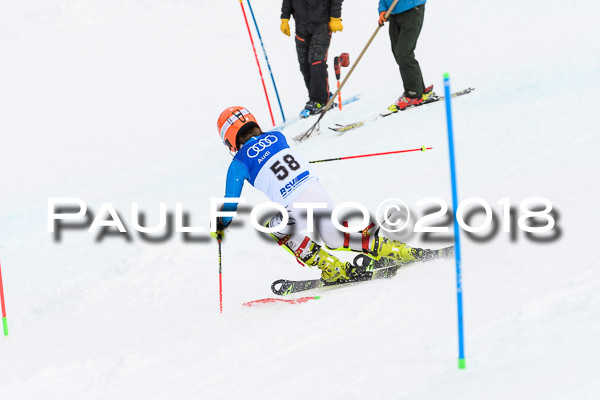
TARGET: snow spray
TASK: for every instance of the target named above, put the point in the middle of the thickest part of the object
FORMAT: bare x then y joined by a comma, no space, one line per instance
459,301
4,321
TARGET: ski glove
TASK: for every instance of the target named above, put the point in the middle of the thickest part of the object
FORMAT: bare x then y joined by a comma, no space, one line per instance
382,19
285,26
335,24
220,233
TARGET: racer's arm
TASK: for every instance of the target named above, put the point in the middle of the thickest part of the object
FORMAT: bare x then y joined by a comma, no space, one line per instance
235,182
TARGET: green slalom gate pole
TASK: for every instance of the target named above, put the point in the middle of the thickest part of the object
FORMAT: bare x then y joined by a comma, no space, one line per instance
423,149
4,320
459,300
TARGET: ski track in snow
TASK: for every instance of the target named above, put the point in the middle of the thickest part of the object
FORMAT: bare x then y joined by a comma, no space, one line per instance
118,104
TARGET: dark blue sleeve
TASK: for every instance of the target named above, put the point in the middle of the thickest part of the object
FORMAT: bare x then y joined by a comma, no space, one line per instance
235,183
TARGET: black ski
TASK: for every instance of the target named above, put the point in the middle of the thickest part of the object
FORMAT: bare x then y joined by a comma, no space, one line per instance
283,287
367,269
434,98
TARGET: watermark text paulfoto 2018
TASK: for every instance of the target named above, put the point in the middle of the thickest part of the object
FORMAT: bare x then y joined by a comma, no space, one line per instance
533,216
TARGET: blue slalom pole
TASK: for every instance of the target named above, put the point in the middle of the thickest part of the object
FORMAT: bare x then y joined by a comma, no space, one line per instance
266,58
459,300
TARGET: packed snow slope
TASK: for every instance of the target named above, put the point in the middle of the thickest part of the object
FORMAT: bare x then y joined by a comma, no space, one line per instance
118,103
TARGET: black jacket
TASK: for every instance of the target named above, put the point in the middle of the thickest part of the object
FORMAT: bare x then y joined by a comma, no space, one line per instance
312,10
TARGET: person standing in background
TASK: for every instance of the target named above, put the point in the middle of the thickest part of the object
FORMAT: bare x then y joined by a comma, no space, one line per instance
406,21
315,21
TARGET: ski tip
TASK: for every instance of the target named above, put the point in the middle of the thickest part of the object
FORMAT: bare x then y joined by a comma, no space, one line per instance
446,76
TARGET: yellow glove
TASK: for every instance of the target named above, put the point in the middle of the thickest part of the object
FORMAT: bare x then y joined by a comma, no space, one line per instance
219,235
285,27
335,24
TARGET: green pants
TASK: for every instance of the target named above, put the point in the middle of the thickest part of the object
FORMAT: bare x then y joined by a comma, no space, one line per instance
404,33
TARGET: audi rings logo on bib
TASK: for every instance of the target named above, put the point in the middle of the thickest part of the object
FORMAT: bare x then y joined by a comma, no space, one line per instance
256,148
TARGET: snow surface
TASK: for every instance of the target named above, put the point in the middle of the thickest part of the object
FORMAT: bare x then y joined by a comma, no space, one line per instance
118,103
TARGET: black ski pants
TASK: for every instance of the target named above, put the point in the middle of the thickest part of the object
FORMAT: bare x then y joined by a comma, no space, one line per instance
312,45
404,32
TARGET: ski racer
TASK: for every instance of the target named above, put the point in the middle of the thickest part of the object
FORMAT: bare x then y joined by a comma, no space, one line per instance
265,160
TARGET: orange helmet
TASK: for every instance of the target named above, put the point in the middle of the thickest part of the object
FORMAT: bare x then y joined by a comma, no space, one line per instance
232,122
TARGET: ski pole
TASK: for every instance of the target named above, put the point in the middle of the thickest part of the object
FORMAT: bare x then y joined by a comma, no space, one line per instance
220,278
266,59
328,105
4,321
459,299
257,63
423,148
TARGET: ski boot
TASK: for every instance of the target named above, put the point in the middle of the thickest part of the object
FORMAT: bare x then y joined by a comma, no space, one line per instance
311,108
332,269
393,249
405,102
334,104
427,93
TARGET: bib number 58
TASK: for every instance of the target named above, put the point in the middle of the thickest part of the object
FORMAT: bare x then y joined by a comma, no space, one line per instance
280,171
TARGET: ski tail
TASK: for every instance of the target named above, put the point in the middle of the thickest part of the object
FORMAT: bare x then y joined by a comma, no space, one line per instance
283,287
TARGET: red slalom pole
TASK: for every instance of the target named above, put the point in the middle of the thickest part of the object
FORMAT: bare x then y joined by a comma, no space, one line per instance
423,148
257,63
4,321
